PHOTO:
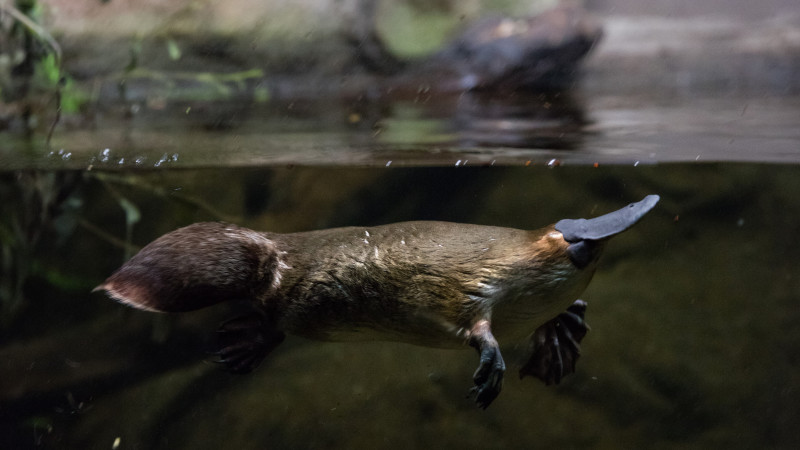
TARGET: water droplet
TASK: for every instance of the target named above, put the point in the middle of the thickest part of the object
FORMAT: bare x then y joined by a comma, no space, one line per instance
164,158
121,161
388,163
458,163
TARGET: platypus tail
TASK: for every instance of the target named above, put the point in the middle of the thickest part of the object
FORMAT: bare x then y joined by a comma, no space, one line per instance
196,266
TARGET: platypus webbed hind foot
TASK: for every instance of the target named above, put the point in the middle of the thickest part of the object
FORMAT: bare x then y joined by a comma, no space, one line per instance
245,341
488,378
556,345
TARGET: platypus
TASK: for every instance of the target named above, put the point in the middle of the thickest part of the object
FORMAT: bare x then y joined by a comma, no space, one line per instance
429,283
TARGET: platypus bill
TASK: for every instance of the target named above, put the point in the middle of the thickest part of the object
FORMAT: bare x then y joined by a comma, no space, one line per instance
436,284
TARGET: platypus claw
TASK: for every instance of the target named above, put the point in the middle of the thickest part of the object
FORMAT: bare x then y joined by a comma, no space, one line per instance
486,391
556,345
244,342
488,378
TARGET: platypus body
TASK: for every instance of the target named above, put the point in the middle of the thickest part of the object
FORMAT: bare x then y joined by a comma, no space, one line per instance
435,284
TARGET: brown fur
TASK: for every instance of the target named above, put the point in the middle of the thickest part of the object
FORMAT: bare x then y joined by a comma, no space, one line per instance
423,282
428,283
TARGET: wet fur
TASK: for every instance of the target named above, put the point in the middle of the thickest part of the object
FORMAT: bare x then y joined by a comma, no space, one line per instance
420,282
436,284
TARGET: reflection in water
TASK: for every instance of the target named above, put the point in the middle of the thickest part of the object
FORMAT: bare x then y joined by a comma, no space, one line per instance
427,129
476,122
551,120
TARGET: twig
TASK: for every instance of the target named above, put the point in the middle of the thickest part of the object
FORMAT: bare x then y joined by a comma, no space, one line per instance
34,27
46,37
108,237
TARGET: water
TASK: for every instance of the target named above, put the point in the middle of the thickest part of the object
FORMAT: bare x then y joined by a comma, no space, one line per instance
694,340
481,129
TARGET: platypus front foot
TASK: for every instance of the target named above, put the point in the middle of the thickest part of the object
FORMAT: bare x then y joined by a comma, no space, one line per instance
556,345
488,378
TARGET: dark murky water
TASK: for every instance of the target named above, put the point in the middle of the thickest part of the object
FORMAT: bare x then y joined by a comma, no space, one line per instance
694,340
693,314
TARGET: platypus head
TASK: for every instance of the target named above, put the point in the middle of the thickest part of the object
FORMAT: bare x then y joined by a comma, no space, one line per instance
587,236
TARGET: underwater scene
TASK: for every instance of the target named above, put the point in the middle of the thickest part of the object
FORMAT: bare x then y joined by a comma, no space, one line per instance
691,322
692,314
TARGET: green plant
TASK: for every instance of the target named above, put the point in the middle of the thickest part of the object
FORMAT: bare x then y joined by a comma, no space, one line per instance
48,76
34,63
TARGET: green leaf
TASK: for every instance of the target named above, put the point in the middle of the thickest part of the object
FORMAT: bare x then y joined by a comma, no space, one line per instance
48,70
173,50
71,97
